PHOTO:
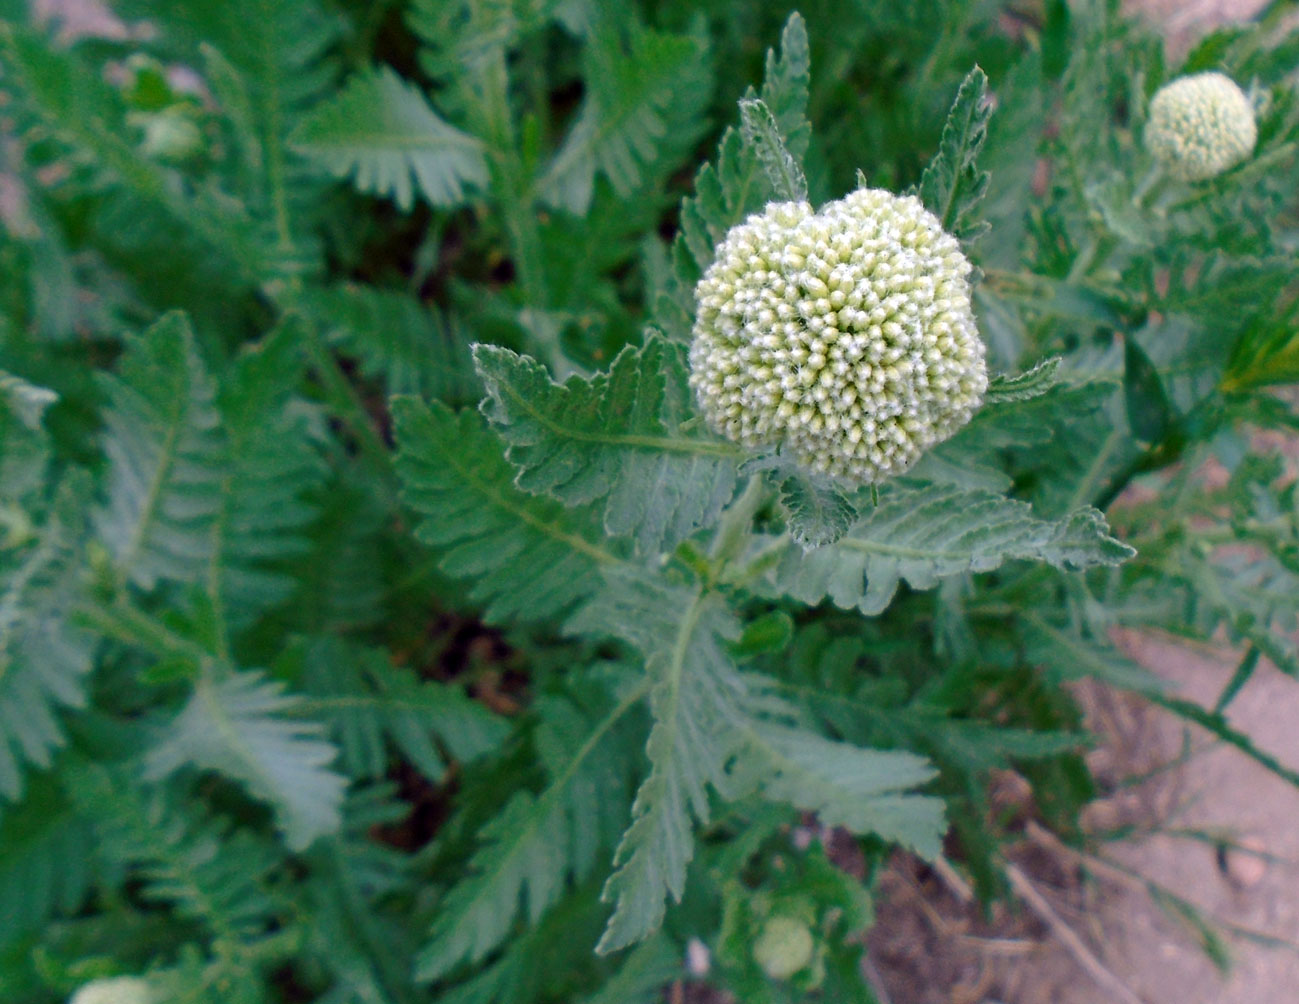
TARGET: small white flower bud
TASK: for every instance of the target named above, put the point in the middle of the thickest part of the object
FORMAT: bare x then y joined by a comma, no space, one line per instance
1200,126
114,990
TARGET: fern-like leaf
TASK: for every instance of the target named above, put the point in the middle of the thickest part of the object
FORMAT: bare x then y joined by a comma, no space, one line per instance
24,443
395,339
273,468
623,127
862,790
616,438
952,185
370,703
44,870
532,849
44,660
528,557
206,871
696,699
383,132
737,186
240,726
164,457
922,535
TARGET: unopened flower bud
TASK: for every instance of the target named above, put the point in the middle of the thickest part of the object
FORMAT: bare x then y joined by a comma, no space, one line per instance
784,947
114,990
1200,126
873,356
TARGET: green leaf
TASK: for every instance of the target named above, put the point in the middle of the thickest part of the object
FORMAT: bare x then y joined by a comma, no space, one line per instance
240,726
528,557
1149,412
736,186
762,136
1003,389
201,867
1065,655
615,438
695,699
24,443
44,660
395,339
817,514
383,132
274,468
921,535
952,185
44,868
644,104
165,458
845,785
370,703
532,848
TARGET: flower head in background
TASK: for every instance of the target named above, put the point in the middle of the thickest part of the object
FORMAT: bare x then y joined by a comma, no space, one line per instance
845,337
114,990
1200,126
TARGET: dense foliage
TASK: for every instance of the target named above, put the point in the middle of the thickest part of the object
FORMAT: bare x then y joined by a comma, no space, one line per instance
380,622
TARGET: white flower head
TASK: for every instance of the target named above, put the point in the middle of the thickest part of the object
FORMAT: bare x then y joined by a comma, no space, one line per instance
846,337
114,990
1200,126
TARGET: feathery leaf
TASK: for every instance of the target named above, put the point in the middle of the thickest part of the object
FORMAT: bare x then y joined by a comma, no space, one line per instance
455,475
922,535
240,726
616,437
383,132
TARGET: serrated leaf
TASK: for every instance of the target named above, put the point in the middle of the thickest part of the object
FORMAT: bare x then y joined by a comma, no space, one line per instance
1065,655
44,659
528,557
615,438
952,185
165,457
533,847
370,703
241,726
396,339
816,514
273,469
762,137
735,185
44,868
24,443
862,790
921,535
695,699
1025,386
622,131
382,131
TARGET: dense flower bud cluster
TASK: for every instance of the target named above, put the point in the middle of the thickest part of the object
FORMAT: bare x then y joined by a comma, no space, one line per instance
1200,126
846,336
114,990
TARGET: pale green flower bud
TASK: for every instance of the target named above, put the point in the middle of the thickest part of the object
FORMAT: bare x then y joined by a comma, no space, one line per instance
114,990
845,337
784,947
1200,126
